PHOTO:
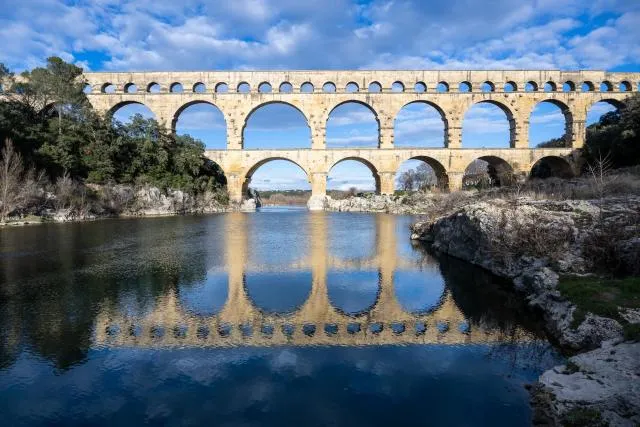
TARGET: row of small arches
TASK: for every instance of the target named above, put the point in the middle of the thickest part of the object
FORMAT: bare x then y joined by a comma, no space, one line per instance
375,87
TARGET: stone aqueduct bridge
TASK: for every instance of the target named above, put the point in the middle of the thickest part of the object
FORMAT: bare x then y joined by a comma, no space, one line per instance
393,90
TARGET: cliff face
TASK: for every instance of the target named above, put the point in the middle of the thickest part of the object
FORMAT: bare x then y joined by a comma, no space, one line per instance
530,242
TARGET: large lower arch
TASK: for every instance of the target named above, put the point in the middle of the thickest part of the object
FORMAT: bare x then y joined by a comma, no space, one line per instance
352,124
369,165
599,109
202,120
487,123
421,124
488,171
276,121
551,167
544,121
434,167
295,166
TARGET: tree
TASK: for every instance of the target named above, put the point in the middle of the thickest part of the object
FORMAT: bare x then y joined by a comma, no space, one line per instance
58,84
16,185
554,143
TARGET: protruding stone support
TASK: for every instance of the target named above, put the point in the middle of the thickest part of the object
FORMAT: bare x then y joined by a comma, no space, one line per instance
453,136
519,131
386,136
579,130
387,182
235,124
318,135
455,180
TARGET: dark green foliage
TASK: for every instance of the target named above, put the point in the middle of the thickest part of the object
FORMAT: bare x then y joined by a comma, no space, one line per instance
554,143
583,417
617,134
52,126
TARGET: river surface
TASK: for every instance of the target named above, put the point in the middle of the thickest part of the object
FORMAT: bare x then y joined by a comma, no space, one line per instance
282,317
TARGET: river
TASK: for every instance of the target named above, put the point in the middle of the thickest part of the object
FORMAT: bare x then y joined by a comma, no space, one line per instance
283,317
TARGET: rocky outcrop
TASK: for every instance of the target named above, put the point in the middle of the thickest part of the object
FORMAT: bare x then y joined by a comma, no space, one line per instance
600,386
380,203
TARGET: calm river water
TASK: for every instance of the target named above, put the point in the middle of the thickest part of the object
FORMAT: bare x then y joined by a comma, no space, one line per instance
278,318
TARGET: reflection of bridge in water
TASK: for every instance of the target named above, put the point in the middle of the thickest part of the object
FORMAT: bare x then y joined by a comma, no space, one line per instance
316,322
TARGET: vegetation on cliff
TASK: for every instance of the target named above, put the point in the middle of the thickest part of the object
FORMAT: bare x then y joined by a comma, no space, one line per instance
49,133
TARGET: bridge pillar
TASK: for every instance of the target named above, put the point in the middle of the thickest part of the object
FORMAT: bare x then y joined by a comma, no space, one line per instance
317,201
318,135
386,136
235,125
387,182
234,187
455,181
578,129
453,133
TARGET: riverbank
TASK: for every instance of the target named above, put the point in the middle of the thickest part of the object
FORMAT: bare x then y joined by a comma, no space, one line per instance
92,202
558,255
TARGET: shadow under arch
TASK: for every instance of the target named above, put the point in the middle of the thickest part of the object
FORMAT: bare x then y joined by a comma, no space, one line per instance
568,119
114,109
368,164
616,103
442,178
264,104
255,167
498,170
359,102
505,109
435,106
551,167
179,111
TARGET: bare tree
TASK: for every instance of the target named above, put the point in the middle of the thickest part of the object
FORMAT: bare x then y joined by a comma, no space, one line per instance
16,183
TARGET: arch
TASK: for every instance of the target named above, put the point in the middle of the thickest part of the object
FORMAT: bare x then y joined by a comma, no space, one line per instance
87,88
550,86
329,87
491,171
417,123
420,87
292,290
587,86
222,87
442,87
606,86
271,126
464,87
248,174
153,87
130,88
265,87
511,87
144,111
199,88
531,86
352,87
624,86
440,176
486,117
243,87
353,122
488,86
397,87
108,88
285,87
306,87
551,166
368,164
176,88
546,136
353,293
569,86
375,87
601,108
208,127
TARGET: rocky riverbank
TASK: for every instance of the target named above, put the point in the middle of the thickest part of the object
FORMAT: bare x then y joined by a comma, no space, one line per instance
121,201
537,244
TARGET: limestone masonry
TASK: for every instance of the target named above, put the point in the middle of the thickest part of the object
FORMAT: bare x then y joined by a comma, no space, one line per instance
317,93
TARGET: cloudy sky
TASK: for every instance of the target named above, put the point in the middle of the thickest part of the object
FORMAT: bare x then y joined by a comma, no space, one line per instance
332,34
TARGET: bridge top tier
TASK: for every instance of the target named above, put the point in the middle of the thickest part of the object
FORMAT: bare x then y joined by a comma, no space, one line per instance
366,80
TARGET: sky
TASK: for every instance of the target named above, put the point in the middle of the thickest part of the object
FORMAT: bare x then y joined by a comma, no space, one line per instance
121,35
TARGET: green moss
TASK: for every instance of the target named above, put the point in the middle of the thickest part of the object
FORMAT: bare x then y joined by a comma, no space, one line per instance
583,417
600,296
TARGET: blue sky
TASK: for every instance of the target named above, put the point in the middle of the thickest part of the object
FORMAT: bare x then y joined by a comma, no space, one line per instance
124,35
